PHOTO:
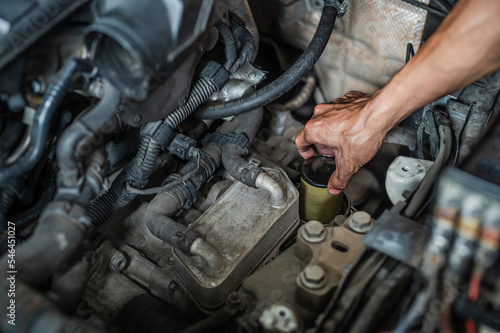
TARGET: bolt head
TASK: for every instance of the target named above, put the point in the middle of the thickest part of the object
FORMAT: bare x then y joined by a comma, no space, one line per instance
234,299
314,232
313,277
117,262
279,318
360,222
36,87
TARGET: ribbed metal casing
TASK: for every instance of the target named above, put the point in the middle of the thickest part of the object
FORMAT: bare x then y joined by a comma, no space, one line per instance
245,229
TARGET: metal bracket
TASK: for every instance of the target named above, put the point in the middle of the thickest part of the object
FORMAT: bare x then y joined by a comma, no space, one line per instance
340,5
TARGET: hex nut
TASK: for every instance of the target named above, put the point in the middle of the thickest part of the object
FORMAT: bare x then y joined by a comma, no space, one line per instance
360,222
313,277
313,232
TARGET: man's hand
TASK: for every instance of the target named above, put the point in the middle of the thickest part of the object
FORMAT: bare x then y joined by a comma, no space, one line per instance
345,130
464,48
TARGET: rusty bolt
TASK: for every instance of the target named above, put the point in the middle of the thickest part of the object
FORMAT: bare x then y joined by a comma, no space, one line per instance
117,262
313,277
360,222
313,232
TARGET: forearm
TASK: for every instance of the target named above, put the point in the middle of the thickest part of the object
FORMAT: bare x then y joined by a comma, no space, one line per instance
465,48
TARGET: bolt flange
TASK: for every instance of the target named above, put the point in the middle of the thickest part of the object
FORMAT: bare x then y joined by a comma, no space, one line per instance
313,232
360,222
313,277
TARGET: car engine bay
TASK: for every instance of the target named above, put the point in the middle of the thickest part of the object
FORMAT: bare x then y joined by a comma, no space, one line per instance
150,181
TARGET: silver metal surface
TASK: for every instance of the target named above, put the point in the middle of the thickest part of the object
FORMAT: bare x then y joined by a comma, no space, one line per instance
360,222
209,254
269,181
244,228
367,47
313,277
240,83
314,232
279,318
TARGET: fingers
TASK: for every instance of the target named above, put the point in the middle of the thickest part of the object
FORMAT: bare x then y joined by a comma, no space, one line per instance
324,150
339,179
322,108
305,148
350,97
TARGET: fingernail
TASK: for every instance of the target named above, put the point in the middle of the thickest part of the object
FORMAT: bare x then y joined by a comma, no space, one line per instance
334,191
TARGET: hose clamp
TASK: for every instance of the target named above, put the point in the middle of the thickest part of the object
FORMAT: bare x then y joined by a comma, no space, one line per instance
252,164
340,5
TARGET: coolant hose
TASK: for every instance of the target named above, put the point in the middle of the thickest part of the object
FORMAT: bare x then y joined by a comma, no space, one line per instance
43,121
165,204
181,195
285,82
232,157
86,132
64,223
155,137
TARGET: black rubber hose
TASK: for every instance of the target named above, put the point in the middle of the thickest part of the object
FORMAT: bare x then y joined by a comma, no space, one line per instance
229,44
285,82
90,130
232,157
170,231
382,301
181,195
138,171
10,136
167,203
301,98
447,143
43,121
62,227
245,39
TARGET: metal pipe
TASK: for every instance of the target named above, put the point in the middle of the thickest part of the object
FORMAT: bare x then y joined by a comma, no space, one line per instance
277,196
209,253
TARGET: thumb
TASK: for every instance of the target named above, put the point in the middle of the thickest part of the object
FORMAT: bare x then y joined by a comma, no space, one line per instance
339,180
